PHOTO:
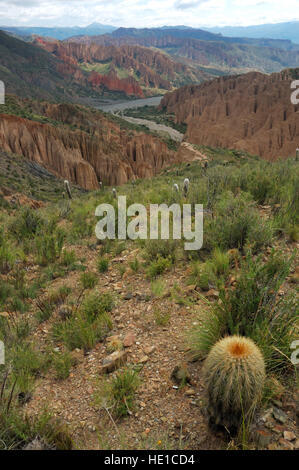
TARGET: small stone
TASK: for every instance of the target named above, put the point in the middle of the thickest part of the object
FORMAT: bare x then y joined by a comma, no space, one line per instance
148,350
263,438
114,361
289,436
129,340
143,360
296,445
279,415
190,392
128,296
212,294
181,375
286,444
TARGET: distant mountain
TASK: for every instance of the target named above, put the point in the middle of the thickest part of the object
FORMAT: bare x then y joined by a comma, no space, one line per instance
288,31
205,50
201,34
60,32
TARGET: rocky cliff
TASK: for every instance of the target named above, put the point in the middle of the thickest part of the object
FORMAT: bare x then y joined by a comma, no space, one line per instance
144,67
251,112
83,146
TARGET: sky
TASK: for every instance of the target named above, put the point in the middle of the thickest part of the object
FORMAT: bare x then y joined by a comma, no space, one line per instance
146,13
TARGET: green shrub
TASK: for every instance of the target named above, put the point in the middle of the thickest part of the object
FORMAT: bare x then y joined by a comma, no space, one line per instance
103,265
62,363
119,393
69,258
79,332
49,247
135,265
253,308
88,280
158,267
26,225
96,304
238,224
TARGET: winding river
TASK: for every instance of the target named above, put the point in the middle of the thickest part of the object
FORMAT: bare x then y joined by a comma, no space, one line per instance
118,108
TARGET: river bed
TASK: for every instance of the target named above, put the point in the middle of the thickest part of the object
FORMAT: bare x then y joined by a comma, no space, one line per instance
120,107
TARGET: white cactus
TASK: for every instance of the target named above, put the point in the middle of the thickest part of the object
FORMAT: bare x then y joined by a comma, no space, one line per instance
114,193
68,189
176,187
186,186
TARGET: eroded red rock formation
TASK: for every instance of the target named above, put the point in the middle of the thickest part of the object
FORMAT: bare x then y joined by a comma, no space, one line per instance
86,149
251,112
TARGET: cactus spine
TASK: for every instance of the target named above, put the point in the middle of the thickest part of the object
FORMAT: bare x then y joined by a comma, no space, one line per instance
234,375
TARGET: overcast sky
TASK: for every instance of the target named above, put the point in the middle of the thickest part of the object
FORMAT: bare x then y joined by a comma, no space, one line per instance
146,13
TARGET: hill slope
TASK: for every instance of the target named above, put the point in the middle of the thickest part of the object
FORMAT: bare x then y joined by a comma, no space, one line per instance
252,112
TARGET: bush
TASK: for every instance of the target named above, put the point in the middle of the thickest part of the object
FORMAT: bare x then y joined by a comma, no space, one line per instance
79,332
62,363
88,280
238,224
119,394
253,308
103,265
27,225
158,267
7,256
49,247
97,304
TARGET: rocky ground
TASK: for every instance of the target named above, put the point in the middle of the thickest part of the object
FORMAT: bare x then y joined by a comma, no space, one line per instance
166,414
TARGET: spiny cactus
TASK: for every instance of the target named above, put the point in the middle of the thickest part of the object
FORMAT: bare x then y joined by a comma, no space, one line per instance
234,375
68,189
114,193
176,187
186,186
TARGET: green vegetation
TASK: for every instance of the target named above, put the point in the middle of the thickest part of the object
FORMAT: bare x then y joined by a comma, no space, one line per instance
53,301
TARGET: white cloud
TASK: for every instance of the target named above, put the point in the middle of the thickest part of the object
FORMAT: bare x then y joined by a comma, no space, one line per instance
146,13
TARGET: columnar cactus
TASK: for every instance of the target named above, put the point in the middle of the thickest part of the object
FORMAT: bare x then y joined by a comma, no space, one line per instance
114,193
186,186
234,375
68,189
176,187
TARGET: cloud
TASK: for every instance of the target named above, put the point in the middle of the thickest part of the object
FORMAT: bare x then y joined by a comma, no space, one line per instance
145,13
186,4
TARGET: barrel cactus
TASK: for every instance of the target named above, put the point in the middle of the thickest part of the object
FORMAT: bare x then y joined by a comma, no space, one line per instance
234,375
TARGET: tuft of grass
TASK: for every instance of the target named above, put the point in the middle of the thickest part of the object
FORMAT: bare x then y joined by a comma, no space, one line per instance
253,308
88,280
62,363
103,265
161,318
119,393
158,267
